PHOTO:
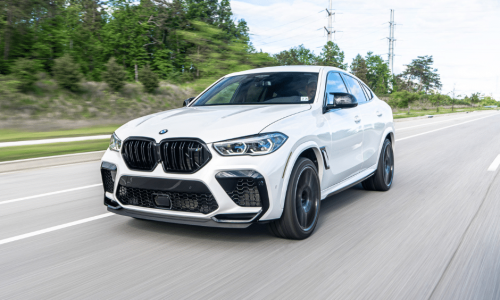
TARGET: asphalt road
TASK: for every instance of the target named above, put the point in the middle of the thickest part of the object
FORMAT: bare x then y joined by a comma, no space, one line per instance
434,235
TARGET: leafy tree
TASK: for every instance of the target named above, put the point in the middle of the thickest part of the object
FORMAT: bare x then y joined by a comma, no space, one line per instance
475,98
149,79
25,71
67,72
115,75
332,56
421,76
379,75
359,68
212,57
299,55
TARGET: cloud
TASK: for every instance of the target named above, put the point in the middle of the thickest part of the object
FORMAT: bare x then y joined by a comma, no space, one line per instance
463,36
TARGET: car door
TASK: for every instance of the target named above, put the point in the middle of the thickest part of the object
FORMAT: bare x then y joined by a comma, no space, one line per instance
367,115
345,151
374,126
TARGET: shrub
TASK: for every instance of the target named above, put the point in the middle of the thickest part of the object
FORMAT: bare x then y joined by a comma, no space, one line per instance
149,79
8,87
402,99
115,75
25,70
67,72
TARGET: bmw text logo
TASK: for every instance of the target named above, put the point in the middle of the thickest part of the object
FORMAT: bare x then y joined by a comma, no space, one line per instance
163,131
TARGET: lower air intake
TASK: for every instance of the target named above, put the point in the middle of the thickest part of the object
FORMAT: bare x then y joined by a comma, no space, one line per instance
107,181
190,202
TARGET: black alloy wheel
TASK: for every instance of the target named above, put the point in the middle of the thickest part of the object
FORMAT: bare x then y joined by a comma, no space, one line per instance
383,177
302,203
306,195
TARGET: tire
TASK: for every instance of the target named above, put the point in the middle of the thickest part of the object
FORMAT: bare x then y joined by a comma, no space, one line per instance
384,175
302,203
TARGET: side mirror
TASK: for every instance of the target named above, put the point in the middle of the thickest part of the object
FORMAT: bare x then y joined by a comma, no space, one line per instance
341,100
187,101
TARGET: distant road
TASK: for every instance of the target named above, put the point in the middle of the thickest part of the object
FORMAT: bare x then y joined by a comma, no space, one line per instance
434,235
57,140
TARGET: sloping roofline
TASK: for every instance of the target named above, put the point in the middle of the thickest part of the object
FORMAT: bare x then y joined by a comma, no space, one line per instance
315,69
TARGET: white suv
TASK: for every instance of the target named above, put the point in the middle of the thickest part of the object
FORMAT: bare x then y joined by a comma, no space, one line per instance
260,146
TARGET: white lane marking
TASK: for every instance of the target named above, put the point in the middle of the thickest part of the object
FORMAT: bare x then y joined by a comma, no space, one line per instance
50,229
51,141
47,157
427,124
50,194
494,165
409,137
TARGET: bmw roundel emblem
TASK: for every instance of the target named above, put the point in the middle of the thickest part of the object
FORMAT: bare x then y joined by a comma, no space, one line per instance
163,131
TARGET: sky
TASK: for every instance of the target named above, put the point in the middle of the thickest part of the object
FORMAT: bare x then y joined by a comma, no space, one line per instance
462,36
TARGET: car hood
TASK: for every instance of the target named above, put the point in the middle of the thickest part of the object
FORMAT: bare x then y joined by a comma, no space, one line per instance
209,123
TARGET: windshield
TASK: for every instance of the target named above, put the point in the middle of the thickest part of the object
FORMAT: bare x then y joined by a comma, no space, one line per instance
263,88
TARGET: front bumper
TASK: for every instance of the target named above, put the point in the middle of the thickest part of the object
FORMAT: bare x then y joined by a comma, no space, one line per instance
269,166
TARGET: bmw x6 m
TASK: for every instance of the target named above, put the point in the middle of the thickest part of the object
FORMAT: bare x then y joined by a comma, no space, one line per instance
260,146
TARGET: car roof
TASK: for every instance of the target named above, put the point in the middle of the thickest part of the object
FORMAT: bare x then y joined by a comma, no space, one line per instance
285,69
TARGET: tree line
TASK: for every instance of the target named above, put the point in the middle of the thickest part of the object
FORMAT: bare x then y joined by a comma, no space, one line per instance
151,40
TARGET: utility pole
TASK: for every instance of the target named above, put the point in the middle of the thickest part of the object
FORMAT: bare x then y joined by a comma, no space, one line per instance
391,43
453,98
330,30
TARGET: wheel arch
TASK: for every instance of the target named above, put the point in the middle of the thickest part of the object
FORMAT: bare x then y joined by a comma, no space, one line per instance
388,134
309,150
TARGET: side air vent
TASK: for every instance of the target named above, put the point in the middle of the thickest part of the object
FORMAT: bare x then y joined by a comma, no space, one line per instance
140,154
183,156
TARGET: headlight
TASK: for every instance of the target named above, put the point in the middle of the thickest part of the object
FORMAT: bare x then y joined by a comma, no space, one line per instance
256,145
115,143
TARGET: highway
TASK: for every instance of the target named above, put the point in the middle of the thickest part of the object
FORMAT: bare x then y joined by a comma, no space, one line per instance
434,235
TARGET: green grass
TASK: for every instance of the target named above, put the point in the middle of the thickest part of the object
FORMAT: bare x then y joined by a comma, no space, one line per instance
10,135
419,113
24,152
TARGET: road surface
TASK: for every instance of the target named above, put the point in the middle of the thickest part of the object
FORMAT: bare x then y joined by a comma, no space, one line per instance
434,235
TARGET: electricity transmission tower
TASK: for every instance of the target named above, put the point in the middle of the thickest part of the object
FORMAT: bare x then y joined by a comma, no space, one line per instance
330,30
391,43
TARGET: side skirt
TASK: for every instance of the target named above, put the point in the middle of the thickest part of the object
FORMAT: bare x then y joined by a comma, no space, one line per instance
348,183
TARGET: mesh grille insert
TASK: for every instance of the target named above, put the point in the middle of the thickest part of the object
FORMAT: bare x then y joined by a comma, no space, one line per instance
107,181
189,202
139,154
246,193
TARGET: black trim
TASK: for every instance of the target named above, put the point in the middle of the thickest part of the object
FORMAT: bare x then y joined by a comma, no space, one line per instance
108,166
175,219
164,184
140,138
236,217
201,142
108,176
111,203
324,154
227,183
350,185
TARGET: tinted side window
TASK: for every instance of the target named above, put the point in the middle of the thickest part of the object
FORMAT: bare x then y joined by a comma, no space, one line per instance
355,88
368,93
334,84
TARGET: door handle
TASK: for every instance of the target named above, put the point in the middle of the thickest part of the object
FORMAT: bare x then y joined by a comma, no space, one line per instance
357,119
379,113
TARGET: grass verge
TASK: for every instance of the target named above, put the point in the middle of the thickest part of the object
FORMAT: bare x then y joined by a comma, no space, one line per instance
11,135
419,113
24,152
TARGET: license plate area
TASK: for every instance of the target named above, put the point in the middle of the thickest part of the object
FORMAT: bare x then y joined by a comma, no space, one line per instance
163,201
